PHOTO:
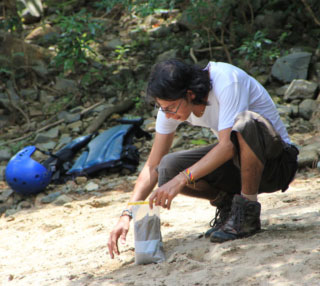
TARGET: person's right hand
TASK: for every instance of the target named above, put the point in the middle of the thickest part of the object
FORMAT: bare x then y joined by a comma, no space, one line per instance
120,230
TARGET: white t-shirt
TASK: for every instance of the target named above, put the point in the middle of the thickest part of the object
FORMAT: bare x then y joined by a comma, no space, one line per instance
233,91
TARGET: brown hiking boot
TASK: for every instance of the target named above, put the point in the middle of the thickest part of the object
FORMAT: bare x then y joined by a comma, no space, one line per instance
243,221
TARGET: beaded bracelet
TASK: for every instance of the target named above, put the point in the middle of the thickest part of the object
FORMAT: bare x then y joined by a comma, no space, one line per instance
189,176
126,212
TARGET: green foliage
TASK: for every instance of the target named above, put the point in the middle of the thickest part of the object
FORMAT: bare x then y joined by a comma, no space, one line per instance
199,142
254,47
78,32
60,104
142,8
121,51
11,24
92,75
5,71
261,49
16,147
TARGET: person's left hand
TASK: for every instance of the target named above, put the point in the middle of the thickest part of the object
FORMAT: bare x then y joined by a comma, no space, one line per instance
164,195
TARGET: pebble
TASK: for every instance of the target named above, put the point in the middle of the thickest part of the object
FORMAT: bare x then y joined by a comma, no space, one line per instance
91,187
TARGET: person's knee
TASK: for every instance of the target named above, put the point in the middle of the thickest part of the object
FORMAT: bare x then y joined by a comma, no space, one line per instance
168,161
167,169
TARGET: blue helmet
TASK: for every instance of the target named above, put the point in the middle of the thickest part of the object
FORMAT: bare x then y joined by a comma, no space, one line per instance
25,175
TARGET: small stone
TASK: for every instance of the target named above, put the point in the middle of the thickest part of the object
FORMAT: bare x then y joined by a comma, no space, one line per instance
81,180
63,199
91,187
50,198
4,195
24,205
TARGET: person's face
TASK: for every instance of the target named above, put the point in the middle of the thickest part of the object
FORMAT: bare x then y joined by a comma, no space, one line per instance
178,109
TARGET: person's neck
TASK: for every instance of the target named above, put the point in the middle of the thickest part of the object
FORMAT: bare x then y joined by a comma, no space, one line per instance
199,110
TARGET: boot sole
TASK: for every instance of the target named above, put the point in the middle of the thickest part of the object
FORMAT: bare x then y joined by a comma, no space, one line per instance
215,239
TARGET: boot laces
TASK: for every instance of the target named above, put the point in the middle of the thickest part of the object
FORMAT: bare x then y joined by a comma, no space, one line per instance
220,216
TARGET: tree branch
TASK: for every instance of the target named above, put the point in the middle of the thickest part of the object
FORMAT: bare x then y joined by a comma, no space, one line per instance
305,3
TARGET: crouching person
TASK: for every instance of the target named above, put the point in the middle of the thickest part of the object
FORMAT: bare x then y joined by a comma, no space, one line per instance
253,154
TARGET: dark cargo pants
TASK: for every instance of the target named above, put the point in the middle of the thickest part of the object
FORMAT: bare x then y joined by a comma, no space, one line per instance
279,158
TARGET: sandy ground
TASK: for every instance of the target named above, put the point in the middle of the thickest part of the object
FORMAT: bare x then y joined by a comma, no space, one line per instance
67,245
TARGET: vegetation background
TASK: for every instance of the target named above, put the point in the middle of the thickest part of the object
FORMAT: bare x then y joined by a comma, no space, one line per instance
107,47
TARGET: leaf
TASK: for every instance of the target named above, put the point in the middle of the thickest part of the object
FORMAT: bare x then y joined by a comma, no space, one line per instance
199,142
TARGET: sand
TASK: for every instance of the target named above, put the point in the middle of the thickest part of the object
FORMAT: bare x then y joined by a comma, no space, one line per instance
67,245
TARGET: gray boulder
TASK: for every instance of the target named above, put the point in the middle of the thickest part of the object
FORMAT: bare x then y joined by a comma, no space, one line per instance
301,89
290,67
306,108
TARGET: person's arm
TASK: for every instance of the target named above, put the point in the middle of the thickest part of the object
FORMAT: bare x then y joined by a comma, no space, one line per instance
146,181
148,177
217,156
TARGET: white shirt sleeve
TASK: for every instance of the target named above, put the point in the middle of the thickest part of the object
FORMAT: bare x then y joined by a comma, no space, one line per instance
233,99
165,125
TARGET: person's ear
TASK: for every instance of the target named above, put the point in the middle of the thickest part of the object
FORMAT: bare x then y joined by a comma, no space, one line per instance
190,95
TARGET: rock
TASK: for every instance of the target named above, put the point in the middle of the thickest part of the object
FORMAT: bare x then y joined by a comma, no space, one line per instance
24,205
4,101
50,198
307,158
39,197
68,117
33,111
186,22
2,173
20,53
81,180
47,136
151,20
66,85
5,194
4,120
99,203
47,146
63,199
29,94
284,110
68,187
90,187
263,79
292,66
63,140
10,212
301,126
159,32
5,154
41,69
306,108
76,127
167,55
281,90
3,209
301,89
40,32
270,20
112,44
295,110
177,142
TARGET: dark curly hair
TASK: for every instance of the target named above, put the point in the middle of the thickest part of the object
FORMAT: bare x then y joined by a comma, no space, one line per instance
171,79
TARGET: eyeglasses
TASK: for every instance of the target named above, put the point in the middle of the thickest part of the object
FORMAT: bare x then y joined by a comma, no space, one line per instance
168,111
